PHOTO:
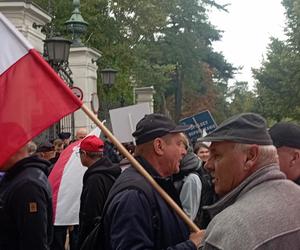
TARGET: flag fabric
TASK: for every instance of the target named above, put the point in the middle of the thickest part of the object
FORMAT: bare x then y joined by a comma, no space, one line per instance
32,95
66,183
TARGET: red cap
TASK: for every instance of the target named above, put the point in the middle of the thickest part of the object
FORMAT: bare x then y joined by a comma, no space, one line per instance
92,144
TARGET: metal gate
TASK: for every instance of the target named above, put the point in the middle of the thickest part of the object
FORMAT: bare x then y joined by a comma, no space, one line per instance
67,123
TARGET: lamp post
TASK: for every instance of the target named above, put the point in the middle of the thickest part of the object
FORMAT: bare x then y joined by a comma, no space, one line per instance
57,51
108,76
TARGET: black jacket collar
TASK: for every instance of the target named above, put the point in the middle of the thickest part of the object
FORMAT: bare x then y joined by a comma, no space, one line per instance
31,161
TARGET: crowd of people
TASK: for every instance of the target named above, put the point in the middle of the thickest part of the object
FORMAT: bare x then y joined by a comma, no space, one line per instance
239,184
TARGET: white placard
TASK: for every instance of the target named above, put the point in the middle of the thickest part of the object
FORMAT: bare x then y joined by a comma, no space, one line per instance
124,120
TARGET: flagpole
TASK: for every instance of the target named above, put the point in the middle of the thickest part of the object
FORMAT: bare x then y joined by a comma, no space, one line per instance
140,169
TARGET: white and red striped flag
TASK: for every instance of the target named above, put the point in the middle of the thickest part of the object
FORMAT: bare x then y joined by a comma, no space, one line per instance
32,95
66,183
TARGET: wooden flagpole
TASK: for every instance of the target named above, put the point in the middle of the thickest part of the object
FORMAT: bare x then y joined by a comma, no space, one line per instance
140,169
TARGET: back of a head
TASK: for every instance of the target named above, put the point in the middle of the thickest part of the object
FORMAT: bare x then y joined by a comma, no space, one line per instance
190,162
91,150
45,147
81,133
286,138
19,142
58,142
92,144
64,135
32,147
285,134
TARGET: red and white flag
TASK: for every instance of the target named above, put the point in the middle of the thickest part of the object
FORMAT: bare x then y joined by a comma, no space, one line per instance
32,95
66,183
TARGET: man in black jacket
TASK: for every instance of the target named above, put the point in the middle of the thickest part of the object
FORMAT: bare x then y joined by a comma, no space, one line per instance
97,181
25,203
136,216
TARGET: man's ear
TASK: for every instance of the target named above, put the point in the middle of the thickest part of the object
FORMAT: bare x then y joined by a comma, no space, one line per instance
252,155
158,145
295,158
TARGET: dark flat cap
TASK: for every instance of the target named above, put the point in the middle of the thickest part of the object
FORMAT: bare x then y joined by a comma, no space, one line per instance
155,125
285,134
64,135
45,147
246,128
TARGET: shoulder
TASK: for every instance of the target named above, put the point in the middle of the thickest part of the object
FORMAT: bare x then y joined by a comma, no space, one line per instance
193,177
228,224
130,201
31,176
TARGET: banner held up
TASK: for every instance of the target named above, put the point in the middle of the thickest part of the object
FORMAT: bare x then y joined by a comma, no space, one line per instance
32,95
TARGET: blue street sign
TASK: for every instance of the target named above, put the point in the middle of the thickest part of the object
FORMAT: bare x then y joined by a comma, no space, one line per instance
200,121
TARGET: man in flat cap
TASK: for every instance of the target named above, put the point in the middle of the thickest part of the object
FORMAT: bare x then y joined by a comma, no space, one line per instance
136,216
45,151
286,138
258,207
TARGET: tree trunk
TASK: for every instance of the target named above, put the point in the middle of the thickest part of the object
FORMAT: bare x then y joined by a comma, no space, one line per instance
178,94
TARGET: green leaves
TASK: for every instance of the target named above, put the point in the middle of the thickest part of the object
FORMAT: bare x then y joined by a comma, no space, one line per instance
167,44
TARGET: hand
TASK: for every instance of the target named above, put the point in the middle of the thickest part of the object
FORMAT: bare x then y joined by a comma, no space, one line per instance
197,237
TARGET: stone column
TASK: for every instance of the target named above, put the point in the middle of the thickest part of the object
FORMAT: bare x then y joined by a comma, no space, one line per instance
23,14
82,63
145,94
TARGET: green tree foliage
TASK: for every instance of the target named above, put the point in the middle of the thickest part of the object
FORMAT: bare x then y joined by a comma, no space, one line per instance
184,44
241,99
167,44
273,83
278,78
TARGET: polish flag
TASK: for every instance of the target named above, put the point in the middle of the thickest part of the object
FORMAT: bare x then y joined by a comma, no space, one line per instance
66,183
32,95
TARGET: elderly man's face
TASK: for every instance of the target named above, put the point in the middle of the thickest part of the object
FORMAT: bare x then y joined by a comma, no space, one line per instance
226,166
174,150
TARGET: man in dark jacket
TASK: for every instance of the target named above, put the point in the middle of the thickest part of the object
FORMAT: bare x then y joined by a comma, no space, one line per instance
97,181
25,203
286,138
136,216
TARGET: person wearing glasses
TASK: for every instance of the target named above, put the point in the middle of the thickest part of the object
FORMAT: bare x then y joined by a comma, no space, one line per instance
97,181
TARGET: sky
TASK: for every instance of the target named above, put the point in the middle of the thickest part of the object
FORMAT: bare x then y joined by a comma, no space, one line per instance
247,27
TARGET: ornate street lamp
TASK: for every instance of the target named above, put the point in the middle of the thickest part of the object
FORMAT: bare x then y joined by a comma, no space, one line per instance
57,51
108,76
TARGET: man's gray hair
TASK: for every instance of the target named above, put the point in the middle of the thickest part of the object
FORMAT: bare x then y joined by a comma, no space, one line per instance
267,154
94,155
